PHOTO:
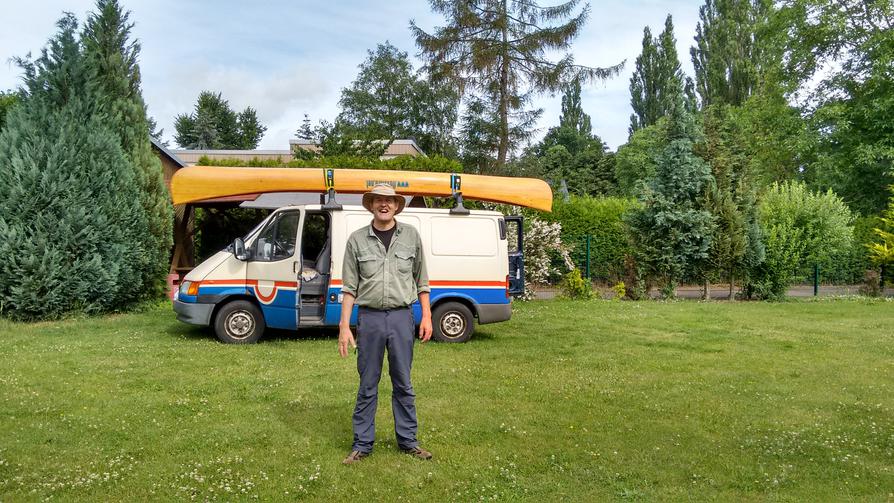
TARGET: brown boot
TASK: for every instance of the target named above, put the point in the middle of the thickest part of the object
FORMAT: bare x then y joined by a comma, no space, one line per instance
354,457
417,453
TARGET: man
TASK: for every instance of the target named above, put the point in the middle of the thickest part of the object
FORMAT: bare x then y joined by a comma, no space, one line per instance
383,273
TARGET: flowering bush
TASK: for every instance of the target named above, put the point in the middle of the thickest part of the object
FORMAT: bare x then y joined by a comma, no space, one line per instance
543,241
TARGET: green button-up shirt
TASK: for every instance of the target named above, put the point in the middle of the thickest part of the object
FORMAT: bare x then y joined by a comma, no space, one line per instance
380,279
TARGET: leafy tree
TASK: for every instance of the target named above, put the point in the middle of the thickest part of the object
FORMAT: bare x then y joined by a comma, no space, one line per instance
388,101
802,228
214,125
656,79
574,131
339,140
672,231
110,57
498,50
72,225
7,101
853,106
571,154
732,50
635,162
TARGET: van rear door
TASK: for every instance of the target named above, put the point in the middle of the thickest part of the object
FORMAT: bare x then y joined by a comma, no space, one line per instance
515,244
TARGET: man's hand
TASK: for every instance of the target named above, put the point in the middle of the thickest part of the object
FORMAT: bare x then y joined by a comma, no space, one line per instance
345,339
425,328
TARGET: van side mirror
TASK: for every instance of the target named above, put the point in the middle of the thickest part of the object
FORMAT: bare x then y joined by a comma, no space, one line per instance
239,250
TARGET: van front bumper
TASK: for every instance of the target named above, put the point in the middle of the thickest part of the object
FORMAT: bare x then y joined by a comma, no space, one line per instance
492,313
193,313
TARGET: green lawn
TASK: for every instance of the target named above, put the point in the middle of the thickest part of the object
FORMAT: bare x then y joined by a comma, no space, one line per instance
568,401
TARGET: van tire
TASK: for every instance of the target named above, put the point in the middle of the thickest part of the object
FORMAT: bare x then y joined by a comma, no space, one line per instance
453,322
239,322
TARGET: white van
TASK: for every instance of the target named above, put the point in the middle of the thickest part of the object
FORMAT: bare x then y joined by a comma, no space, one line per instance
286,273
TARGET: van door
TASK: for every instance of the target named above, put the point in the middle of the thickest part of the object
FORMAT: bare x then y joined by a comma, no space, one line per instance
272,273
515,244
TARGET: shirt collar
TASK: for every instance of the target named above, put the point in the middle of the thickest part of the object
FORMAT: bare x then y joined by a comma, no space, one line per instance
370,233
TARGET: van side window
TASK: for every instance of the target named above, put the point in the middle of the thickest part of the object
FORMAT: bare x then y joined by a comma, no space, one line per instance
277,240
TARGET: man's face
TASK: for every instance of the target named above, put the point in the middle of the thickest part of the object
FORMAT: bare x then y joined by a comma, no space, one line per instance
383,208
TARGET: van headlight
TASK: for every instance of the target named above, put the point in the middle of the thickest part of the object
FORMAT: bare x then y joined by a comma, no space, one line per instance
189,288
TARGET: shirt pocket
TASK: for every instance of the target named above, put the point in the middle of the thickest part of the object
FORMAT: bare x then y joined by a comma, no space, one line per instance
368,266
404,258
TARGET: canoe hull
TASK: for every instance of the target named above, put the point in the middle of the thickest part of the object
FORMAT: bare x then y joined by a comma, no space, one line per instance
198,183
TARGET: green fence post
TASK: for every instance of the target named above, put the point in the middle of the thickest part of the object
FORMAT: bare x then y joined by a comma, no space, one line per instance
588,256
815,280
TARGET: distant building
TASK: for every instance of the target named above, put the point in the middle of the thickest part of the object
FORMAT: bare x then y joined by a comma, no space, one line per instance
191,157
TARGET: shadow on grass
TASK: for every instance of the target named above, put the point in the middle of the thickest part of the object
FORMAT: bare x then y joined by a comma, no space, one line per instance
195,332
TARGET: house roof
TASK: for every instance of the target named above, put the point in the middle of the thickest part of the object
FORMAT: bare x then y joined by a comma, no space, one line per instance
167,153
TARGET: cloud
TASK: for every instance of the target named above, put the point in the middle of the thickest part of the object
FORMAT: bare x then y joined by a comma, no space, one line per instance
286,58
280,97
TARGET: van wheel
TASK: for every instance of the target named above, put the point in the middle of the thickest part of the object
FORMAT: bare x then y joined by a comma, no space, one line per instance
452,322
239,322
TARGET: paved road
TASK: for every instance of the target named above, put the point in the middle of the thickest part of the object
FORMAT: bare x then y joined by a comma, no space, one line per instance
721,292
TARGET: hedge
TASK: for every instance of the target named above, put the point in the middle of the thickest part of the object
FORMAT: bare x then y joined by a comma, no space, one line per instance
601,218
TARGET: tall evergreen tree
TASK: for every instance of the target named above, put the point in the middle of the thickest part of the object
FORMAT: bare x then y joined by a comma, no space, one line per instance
499,50
72,225
573,116
731,51
111,62
479,136
737,246
657,78
306,130
214,125
672,231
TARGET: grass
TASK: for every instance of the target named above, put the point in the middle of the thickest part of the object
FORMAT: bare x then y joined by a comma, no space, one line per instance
570,400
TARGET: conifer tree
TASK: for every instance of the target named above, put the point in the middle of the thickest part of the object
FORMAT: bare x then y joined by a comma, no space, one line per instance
214,125
737,246
672,231
657,78
501,50
110,56
71,221
730,51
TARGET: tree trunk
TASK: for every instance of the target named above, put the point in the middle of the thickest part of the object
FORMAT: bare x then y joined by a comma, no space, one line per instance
706,290
731,295
504,94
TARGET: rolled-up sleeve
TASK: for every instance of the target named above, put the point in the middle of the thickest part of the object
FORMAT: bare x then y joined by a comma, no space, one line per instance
420,272
350,276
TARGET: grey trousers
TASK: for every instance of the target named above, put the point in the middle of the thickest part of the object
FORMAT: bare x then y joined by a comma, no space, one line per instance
376,331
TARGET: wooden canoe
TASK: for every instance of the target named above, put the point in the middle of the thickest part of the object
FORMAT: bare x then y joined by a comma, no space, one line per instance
198,183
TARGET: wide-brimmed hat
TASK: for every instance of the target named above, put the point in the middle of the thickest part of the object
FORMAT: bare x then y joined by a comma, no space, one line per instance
383,189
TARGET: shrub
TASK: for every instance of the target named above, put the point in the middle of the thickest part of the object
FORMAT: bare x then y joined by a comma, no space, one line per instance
882,248
602,218
802,228
575,287
543,242
872,285
620,290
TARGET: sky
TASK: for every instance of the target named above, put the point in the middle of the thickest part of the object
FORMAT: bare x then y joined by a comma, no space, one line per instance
290,58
